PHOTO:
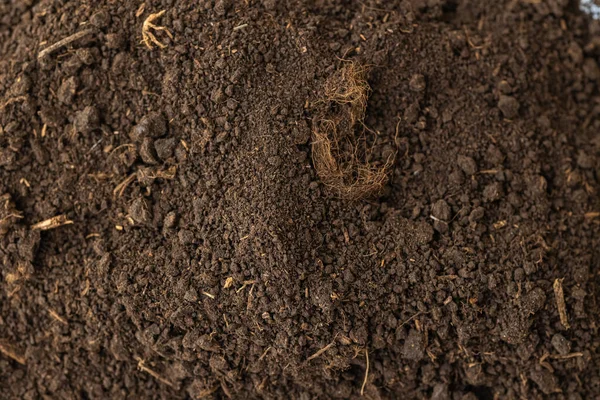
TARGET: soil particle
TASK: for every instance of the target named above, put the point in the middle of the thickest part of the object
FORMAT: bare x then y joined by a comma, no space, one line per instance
584,160
148,152
152,125
139,211
87,120
509,106
417,83
467,164
561,344
440,392
545,381
493,192
413,345
165,148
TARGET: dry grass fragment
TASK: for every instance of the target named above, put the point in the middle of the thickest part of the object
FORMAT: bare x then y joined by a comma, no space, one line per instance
52,223
10,352
64,42
228,283
57,317
341,159
148,37
142,367
560,303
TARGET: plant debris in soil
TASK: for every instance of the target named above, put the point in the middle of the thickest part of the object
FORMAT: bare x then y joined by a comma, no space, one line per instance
299,199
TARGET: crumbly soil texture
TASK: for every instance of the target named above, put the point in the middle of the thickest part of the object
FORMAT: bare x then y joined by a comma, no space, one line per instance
165,234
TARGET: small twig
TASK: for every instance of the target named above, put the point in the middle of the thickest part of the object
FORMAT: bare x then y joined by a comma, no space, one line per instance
362,389
57,317
318,353
10,352
64,42
52,223
237,28
419,313
143,368
265,353
560,303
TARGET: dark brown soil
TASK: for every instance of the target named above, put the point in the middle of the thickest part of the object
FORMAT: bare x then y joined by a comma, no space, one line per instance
194,251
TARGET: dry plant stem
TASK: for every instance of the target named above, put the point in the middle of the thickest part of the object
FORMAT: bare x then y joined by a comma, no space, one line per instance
52,223
10,352
143,368
64,42
560,303
318,353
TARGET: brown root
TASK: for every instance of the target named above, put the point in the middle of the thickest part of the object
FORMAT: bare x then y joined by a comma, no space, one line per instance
341,159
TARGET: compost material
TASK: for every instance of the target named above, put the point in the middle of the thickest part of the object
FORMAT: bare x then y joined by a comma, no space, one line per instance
299,199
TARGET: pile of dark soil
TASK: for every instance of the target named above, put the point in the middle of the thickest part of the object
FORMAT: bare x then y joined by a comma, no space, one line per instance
164,232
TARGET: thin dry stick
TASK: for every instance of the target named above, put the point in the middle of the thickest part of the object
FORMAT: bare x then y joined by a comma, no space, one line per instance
9,351
362,389
560,303
52,223
143,368
64,42
318,353
57,317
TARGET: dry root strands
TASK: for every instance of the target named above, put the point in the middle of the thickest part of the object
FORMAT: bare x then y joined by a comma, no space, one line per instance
339,157
148,37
